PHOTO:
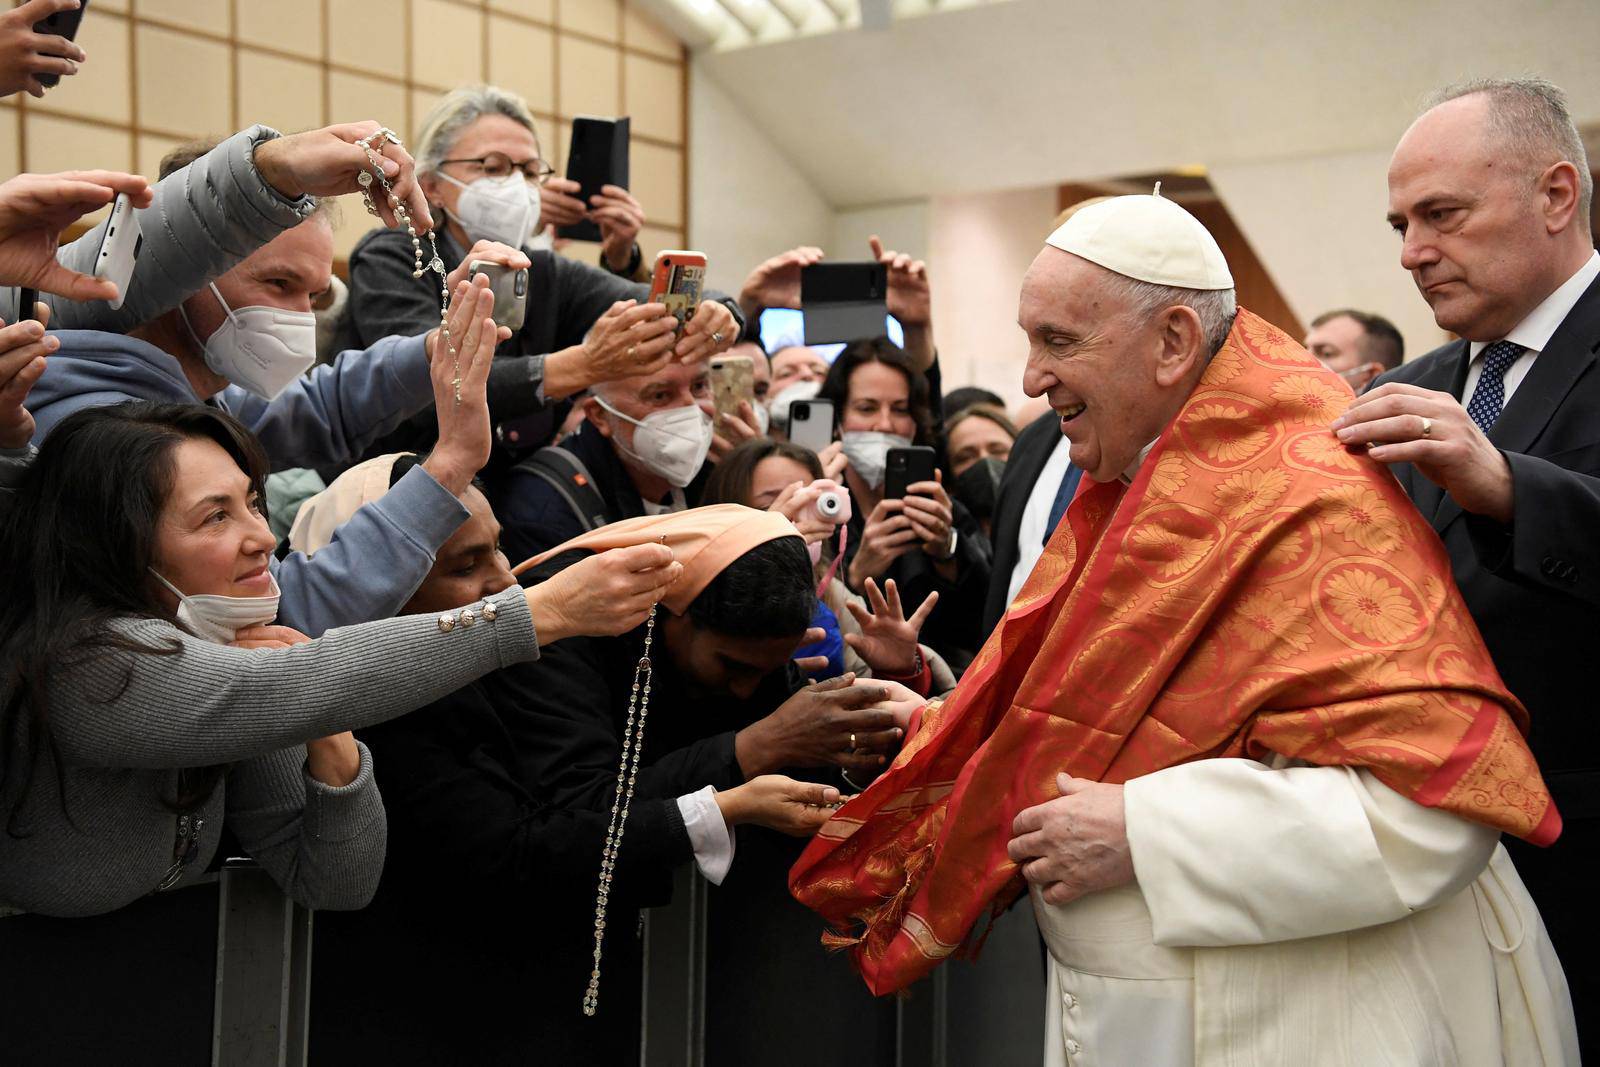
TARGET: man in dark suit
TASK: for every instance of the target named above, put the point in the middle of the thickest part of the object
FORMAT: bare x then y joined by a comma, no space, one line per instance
1496,437
1024,510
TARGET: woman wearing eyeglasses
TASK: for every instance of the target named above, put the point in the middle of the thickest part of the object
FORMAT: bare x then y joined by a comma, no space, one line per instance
481,167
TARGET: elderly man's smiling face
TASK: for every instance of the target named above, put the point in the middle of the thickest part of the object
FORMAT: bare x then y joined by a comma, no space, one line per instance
1114,380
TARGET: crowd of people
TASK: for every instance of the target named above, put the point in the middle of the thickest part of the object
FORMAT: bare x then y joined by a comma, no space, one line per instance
473,637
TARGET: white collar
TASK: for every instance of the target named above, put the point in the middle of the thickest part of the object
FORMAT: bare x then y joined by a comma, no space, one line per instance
1138,461
1534,332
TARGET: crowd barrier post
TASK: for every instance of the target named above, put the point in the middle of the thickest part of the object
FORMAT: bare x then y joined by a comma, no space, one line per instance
263,983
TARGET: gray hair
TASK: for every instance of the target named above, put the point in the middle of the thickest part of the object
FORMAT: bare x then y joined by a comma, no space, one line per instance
458,109
1216,307
1530,117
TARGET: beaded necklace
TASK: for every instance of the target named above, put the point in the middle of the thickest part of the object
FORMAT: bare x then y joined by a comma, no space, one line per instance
627,775
367,145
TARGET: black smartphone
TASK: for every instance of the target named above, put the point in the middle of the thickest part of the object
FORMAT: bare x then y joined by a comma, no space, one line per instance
843,302
61,24
598,156
905,467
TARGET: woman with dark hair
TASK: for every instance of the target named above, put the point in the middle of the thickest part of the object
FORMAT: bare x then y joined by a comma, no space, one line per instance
146,697
924,541
481,938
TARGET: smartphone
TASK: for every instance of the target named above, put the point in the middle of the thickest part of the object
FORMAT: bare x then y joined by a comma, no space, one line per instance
119,247
811,423
598,156
61,24
510,289
677,281
733,382
842,302
906,467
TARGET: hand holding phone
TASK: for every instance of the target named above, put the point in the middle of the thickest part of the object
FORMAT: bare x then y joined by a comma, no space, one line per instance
510,291
733,384
598,157
905,467
119,247
39,60
678,280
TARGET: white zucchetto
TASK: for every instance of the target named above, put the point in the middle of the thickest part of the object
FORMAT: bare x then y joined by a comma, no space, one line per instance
1145,237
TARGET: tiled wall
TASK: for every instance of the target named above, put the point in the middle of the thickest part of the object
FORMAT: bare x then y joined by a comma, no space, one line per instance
164,71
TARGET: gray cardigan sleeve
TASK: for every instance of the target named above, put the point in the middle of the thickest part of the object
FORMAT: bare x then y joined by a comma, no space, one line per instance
208,703
324,845
204,219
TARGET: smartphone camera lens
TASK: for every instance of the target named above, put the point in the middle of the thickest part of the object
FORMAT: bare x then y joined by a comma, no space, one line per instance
800,410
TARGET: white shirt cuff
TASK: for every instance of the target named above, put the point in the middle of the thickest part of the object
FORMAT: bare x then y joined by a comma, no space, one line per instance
708,833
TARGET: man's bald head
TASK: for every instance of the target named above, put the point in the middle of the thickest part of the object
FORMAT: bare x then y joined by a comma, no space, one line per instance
1489,190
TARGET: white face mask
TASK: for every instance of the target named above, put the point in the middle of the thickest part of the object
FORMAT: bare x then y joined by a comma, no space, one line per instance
671,443
778,406
497,209
868,452
544,240
763,418
219,619
260,348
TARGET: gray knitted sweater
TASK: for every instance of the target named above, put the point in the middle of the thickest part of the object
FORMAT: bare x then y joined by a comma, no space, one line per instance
125,721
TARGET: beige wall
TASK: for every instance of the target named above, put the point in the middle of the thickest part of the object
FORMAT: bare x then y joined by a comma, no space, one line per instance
165,71
749,201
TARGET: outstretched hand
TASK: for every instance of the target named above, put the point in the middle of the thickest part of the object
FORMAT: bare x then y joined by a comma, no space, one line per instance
888,640
23,348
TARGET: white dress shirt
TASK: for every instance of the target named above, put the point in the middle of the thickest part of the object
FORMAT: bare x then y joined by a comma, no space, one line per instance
708,833
1534,332
1031,530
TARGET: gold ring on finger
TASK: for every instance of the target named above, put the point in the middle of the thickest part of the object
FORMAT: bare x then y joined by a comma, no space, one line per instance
630,350
1427,426
852,742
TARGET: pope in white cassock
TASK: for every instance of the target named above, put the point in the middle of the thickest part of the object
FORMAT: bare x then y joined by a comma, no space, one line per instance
1237,736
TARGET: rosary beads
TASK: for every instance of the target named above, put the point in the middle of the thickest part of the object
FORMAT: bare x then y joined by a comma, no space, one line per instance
627,775
404,217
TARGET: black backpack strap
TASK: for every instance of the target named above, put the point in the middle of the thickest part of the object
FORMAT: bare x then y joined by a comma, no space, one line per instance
566,474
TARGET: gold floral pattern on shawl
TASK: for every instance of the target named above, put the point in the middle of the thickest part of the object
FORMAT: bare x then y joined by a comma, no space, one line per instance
1360,515
1170,540
1251,490
1323,453
1270,345
1369,604
1169,476
1228,435
1310,398
1267,618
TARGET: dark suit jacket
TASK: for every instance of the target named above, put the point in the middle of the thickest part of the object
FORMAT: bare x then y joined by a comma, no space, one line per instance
1534,587
1028,457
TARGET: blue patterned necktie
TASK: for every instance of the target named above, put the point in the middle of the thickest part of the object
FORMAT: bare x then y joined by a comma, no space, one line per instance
1064,493
1489,396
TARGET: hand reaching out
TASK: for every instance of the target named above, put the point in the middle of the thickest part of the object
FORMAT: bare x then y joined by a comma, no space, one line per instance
888,640
36,208
23,348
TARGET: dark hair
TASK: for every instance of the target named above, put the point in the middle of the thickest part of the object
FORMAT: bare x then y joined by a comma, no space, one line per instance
1382,343
75,553
730,479
990,412
959,400
836,386
767,592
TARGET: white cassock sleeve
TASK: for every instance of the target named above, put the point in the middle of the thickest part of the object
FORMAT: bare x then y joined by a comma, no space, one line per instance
1233,852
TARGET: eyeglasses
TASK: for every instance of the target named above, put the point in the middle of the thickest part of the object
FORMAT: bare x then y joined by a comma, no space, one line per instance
500,165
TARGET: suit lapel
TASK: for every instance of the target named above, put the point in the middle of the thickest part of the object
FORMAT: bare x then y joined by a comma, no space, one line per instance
1022,471
1555,370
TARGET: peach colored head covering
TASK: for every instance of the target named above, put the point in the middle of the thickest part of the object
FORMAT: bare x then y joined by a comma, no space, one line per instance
705,540
330,509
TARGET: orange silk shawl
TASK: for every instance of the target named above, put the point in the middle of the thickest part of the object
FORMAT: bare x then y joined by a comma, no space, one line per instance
1258,589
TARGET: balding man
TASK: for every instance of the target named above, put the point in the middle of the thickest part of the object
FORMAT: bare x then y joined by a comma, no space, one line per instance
1497,436
1356,345
1237,734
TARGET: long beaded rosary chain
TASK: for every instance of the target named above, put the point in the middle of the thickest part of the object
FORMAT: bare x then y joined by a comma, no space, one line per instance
404,217
627,775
